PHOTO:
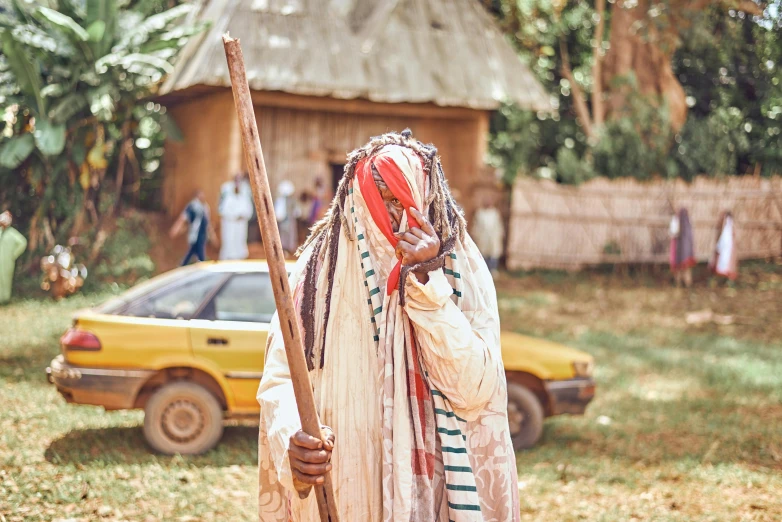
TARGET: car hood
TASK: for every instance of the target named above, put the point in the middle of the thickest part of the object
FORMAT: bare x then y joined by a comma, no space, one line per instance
544,359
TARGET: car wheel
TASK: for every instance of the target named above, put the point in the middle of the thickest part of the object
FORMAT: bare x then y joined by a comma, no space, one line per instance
525,417
182,417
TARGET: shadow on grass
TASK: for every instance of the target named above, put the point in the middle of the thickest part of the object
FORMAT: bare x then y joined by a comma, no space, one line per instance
101,447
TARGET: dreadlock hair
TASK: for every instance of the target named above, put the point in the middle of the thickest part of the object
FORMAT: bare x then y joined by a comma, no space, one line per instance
445,215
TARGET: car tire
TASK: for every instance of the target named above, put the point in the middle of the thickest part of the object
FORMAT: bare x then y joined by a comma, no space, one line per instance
183,417
525,417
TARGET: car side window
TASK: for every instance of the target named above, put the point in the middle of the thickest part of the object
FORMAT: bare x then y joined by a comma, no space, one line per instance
246,298
179,301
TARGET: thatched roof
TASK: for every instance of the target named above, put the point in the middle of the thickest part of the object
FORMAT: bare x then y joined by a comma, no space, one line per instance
449,52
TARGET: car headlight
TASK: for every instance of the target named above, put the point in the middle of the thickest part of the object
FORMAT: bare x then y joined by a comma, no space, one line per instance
583,368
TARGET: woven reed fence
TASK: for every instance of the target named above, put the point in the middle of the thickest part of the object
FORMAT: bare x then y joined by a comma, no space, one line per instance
625,221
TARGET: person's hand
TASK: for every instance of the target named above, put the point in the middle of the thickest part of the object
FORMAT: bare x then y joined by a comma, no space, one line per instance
310,458
418,245
176,228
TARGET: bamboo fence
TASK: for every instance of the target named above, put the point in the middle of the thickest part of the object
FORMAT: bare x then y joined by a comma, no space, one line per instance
626,221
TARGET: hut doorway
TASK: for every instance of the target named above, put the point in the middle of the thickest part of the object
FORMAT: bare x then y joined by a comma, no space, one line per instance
337,169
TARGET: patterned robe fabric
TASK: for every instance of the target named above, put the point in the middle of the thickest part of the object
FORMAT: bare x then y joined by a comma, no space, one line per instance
392,377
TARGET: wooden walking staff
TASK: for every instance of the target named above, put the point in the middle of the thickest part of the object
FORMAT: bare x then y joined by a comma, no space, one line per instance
289,324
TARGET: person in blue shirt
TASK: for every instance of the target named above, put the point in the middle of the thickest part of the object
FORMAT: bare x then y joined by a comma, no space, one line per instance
197,218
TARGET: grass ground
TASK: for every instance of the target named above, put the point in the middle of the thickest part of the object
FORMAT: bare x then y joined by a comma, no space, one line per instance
687,423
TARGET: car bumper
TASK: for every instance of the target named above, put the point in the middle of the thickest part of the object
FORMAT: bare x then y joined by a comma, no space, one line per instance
570,396
114,389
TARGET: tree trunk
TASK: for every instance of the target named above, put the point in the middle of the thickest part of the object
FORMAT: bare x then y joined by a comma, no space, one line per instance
579,100
598,108
640,47
126,144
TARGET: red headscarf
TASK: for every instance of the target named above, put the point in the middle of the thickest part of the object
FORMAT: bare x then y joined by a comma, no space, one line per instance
393,177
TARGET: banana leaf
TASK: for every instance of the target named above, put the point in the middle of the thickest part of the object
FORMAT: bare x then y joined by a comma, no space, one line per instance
15,150
24,69
64,22
154,24
102,103
53,90
105,12
49,137
73,8
32,36
96,30
68,106
134,62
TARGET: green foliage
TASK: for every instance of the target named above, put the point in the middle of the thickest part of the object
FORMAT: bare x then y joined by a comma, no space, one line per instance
612,248
635,144
124,258
523,141
154,127
63,23
728,63
73,78
571,169
515,142
49,137
729,66
16,150
711,145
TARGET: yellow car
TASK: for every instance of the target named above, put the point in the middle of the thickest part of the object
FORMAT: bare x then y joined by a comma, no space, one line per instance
188,347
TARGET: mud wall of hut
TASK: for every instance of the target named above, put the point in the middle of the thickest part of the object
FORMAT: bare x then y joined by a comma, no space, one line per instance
304,139
209,153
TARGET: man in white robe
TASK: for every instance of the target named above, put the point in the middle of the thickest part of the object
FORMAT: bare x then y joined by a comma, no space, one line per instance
235,209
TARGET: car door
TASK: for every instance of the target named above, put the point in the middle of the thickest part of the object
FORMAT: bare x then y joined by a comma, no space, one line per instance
149,328
230,334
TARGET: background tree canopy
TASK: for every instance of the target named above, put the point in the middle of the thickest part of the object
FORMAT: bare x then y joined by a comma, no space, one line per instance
75,77
642,89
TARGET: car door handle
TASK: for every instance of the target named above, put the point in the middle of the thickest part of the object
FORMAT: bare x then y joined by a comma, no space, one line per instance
216,340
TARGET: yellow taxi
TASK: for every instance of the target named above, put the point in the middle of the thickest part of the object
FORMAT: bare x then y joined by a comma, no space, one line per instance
187,347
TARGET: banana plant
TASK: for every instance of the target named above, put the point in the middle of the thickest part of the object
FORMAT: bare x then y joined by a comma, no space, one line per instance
72,75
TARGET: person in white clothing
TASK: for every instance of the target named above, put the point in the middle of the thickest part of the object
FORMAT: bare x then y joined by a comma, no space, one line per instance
285,209
235,209
488,232
725,261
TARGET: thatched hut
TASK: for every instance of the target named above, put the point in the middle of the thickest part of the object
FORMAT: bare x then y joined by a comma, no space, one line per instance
328,74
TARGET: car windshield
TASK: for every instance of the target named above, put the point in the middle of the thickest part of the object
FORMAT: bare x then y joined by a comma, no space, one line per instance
178,300
116,304
245,297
